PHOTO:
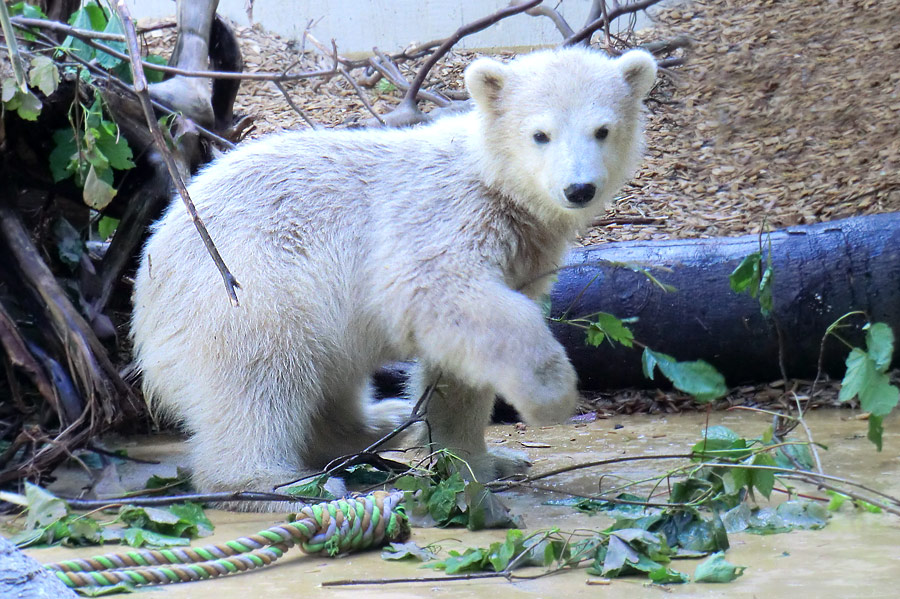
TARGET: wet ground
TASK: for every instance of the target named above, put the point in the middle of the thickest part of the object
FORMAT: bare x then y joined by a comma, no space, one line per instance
856,555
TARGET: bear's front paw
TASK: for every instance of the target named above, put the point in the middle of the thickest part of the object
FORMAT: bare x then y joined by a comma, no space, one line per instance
498,462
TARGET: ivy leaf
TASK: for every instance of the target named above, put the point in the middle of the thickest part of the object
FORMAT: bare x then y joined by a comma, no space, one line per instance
880,345
97,193
699,379
44,75
608,326
717,569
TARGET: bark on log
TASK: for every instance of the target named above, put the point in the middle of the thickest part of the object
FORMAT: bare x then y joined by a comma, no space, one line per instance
24,578
822,272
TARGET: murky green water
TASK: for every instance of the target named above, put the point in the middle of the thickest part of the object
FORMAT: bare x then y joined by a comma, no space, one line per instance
856,555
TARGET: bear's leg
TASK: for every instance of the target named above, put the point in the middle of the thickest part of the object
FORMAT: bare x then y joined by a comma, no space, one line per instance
457,415
351,420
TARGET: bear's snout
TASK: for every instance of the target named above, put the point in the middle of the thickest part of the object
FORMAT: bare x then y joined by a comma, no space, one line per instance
580,193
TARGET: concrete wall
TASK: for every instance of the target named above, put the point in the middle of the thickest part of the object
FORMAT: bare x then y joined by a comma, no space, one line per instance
358,25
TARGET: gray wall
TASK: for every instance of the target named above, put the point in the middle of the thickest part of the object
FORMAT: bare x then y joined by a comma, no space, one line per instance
358,25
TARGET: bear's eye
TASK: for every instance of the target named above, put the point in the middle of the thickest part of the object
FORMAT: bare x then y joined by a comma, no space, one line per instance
601,133
541,137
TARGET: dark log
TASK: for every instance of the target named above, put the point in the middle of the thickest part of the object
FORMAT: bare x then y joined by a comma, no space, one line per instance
822,272
24,578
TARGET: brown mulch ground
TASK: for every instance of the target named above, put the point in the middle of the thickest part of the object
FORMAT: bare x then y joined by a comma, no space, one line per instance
787,112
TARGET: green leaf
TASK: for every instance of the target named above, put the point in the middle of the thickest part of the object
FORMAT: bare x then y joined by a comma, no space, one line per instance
63,155
880,345
608,326
26,104
97,591
384,86
747,275
108,61
44,508
97,193
154,76
28,11
648,363
663,575
717,569
43,74
84,18
141,537
314,487
501,554
804,514
442,503
699,379
880,397
837,500
860,370
876,429
8,92
766,283
468,561
763,480
114,146
408,550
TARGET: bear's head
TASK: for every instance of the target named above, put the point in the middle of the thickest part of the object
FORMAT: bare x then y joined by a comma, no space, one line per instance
561,129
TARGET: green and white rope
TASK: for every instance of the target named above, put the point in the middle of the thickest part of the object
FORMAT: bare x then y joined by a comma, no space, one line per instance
330,528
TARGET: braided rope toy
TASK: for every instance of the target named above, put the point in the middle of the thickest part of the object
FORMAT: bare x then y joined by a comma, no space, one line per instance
330,528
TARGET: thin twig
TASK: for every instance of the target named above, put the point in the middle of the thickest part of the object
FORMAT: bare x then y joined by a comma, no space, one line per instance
140,87
503,485
297,109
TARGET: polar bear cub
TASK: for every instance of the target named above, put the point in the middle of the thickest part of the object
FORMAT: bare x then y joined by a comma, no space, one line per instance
358,247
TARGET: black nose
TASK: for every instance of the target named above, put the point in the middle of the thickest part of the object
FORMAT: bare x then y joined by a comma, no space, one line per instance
580,193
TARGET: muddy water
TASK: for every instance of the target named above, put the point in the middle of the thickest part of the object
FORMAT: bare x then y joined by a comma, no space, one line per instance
856,555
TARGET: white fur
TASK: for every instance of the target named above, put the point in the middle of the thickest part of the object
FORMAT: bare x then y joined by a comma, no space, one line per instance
358,247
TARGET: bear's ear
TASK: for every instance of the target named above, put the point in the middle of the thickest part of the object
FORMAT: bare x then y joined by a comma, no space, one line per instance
639,69
485,79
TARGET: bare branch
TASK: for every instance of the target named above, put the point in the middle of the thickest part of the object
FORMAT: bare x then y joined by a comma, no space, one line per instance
87,37
140,87
614,13
465,30
297,109
551,13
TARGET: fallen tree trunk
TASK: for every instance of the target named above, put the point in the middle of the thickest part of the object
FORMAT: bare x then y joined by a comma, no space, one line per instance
821,272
